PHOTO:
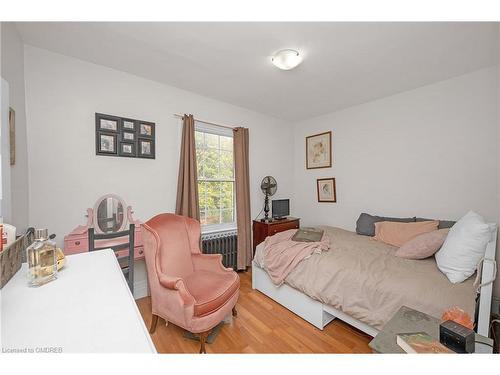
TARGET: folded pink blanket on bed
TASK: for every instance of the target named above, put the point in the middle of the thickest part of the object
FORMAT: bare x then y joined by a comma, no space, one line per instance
281,254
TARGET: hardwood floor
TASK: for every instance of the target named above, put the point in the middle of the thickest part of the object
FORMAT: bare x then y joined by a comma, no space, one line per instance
262,326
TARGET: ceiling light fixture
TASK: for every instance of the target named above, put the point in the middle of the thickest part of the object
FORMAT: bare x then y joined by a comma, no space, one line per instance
286,59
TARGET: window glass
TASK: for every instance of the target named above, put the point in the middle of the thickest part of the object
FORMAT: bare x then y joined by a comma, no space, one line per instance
215,164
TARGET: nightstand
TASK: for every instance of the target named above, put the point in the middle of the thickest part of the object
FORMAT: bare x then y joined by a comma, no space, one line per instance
263,229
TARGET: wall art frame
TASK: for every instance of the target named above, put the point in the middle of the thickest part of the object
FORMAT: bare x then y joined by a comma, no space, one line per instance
319,150
124,137
326,189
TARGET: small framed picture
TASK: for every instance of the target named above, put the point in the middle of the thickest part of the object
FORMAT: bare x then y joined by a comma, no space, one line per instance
146,129
127,149
319,151
146,148
326,190
128,125
128,136
106,122
106,144
12,135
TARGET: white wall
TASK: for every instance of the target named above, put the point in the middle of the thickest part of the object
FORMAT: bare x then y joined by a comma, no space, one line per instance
430,152
12,65
62,96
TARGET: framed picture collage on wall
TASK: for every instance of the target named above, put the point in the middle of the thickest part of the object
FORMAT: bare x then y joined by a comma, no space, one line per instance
319,155
120,136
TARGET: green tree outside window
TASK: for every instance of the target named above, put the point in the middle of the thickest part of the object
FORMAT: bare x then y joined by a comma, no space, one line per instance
214,157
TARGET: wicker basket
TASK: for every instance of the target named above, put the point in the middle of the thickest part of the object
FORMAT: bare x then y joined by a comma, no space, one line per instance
11,258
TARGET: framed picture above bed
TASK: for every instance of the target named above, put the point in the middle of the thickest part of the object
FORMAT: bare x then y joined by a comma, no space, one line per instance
319,151
326,190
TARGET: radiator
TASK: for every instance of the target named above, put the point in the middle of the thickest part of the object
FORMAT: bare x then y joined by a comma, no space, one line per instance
225,243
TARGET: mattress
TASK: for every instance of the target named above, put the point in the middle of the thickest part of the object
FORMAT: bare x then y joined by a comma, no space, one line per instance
363,278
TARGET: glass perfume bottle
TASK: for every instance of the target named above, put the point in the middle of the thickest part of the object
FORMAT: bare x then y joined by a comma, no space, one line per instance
42,259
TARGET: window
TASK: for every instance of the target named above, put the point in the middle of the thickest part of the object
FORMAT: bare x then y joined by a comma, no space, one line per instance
214,158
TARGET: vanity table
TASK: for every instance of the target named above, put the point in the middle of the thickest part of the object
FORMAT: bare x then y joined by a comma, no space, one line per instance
110,214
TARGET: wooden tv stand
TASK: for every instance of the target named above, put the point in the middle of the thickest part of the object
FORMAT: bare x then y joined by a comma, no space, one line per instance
263,229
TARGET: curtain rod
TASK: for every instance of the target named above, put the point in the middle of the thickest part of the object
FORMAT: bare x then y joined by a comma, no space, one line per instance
206,122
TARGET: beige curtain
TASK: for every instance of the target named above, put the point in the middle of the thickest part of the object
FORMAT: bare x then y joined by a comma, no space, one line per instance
242,177
187,184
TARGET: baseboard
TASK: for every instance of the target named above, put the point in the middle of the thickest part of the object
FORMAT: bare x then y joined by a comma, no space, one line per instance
140,289
495,305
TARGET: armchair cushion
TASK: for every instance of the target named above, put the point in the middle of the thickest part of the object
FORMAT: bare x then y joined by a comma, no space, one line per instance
211,290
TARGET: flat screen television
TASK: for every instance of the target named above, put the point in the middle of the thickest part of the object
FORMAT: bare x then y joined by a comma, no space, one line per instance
280,208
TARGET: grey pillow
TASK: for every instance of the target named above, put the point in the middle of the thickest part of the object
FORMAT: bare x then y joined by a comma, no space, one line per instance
443,224
365,225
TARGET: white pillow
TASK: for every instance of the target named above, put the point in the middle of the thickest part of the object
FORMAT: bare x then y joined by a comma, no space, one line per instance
464,247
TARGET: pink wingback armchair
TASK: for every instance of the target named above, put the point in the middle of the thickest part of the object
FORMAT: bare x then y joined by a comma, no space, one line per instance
189,289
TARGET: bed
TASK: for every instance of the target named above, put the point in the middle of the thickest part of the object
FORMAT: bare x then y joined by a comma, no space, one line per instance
360,281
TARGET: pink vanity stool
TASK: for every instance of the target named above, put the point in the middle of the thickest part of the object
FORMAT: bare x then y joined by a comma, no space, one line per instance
108,215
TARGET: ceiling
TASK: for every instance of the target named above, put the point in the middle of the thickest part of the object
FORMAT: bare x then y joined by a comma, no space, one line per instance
344,63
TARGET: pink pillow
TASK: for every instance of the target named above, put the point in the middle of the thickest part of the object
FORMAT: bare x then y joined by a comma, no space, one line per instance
424,245
396,234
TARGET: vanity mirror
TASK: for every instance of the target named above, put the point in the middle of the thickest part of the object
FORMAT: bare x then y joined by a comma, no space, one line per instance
109,214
